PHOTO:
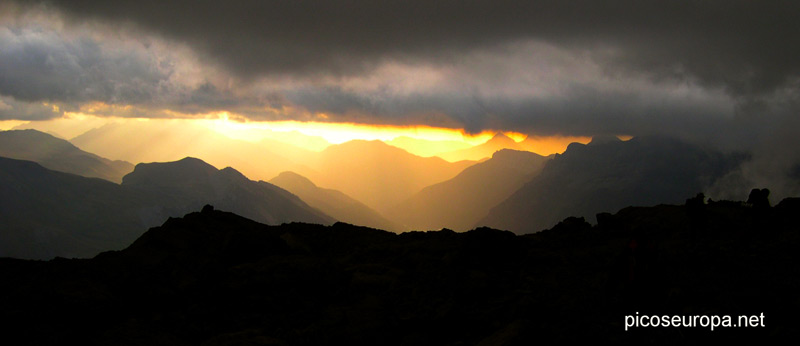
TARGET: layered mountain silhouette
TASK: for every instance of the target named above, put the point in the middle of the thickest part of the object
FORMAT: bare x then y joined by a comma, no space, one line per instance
609,174
215,278
479,152
332,202
60,155
190,183
377,174
46,213
460,202
172,141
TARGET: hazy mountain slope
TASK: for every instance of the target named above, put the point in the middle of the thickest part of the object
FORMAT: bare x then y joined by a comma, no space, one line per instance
606,175
377,174
193,183
460,202
482,151
60,155
171,141
332,202
46,213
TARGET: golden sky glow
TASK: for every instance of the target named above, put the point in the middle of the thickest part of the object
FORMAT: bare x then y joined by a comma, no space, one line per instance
10,124
431,140
337,133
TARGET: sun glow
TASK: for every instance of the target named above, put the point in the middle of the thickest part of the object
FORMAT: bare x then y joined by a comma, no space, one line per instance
337,133
10,124
420,140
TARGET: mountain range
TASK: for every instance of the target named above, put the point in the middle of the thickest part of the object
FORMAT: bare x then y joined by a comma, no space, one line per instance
47,213
60,155
216,278
372,172
142,142
377,174
462,201
606,175
332,202
484,150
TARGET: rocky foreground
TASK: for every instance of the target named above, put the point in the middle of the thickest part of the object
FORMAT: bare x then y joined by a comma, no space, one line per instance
215,278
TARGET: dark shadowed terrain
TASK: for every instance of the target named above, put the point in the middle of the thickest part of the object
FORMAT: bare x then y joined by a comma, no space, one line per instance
609,174
215,278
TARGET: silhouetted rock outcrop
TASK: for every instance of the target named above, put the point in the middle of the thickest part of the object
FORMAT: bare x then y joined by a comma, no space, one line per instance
759,198
215,278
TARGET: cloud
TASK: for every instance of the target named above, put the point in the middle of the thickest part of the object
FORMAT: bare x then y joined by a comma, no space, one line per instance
41,65
77,70
742,46
13,109
697,69
724,73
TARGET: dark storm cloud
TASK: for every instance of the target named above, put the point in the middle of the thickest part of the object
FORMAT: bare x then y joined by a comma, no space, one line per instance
746,47
41,67
581,111
12,109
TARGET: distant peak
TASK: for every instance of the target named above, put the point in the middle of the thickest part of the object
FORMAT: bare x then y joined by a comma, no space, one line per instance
360,146
373,142
231,172
603,139
501,137
574,146
192,162
186,169
292,178
32,134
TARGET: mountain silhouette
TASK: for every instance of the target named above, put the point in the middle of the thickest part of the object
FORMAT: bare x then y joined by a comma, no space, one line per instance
332,202
606,175
190,183
377,174
482,151
216,278
172,141
462,201
60,155
47,213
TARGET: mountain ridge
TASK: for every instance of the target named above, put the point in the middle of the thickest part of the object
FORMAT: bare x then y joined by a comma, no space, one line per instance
60,155
332,202
462,201
216,278
602,177
87,215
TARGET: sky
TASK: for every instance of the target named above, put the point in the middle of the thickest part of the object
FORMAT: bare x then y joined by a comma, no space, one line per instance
726,73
